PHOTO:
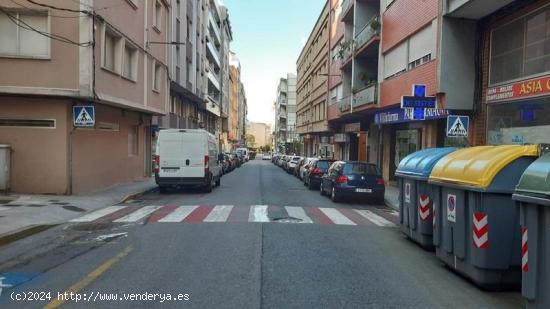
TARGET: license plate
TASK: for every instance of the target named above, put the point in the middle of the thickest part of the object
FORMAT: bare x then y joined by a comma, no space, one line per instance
170,170
363,190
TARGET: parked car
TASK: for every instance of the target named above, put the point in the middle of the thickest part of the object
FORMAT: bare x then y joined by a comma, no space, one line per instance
353,179
187,158
292,163
275,158
236,162
244,153
230,165
281,161
318,167
266,156
304,167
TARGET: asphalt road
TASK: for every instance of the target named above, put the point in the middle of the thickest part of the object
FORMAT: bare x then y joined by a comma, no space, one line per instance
238,262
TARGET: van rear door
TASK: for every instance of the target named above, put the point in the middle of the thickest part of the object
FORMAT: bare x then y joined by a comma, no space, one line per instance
182,154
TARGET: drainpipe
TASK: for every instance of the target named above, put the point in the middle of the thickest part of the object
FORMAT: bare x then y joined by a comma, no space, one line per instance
70,163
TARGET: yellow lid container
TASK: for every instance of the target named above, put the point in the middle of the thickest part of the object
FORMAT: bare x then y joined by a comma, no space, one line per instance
478,166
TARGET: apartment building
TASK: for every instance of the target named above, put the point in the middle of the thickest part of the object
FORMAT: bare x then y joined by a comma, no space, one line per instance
100,53
237,105
312,90
512,101
285,136
187,109
353,78
261,132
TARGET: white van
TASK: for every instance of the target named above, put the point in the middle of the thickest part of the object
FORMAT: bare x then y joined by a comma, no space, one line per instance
243,152
187,158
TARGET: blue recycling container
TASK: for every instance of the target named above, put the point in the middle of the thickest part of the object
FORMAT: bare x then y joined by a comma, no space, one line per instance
416,197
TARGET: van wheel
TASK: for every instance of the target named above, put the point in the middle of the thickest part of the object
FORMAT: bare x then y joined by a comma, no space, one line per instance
208,187
218,182
334,197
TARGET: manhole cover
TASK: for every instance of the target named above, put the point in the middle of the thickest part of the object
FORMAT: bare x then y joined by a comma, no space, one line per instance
287,220
74,208
36,205
60,203
92,226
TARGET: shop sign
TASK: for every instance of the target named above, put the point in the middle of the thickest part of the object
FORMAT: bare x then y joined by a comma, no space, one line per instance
524,89
398,115
352,127
418,99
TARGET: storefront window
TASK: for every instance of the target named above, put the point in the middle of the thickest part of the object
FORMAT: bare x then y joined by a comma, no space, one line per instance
407,142
525,122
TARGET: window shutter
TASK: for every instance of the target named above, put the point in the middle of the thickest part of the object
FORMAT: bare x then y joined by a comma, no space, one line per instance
395,60
421,44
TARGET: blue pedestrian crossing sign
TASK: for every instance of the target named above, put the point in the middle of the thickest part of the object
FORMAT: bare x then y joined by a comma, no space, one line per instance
457,126
83,116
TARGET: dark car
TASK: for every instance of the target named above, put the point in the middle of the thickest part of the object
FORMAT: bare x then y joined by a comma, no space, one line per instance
352,179
317,168
229,164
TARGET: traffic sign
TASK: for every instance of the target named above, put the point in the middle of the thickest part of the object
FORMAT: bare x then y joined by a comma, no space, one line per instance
83,116
451,207
457,126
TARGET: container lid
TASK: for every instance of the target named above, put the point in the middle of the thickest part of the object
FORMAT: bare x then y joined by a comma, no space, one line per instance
421,163
478,166
536,179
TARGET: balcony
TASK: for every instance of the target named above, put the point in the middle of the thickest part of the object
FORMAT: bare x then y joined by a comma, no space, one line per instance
346,51
364,96
344,104
214,79
474,9
347,6
371,30
213,52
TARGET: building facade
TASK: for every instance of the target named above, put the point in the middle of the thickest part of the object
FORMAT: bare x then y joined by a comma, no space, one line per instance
106,59
286,139
237,105
312,90
261,133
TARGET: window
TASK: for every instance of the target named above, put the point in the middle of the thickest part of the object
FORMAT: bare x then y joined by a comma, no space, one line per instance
28,123
157,16
521,48
157,74
420,46
129,62
111,50
395,61
133,141
20,42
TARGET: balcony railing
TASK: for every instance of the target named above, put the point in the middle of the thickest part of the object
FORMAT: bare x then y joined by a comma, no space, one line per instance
367,33
346,4
364,96
344,104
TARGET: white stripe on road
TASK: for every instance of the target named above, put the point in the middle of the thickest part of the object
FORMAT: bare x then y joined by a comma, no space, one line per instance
258,213
298,212
179,214
374,218
220,213
98,214
336,216
138,214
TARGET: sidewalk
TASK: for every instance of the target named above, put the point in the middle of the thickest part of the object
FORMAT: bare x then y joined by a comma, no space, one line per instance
392,197
19,213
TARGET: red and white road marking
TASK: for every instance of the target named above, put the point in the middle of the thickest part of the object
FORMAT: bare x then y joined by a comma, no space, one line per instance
524,250
424,207
481,230
230,213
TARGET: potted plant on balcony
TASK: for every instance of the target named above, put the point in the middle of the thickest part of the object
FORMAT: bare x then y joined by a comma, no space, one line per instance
344,47
375,24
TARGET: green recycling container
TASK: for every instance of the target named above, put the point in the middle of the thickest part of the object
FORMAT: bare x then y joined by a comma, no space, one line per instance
532,195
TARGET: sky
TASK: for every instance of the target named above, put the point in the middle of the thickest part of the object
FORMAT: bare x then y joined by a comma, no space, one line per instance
268,36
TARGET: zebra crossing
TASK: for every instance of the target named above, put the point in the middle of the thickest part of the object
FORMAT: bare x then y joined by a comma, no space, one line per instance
233,213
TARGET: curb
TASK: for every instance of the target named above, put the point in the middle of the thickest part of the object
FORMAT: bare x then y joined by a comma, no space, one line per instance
135,195
23,233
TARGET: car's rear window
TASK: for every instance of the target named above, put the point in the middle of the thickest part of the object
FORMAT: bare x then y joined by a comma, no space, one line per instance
324,164
360,168
295,159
